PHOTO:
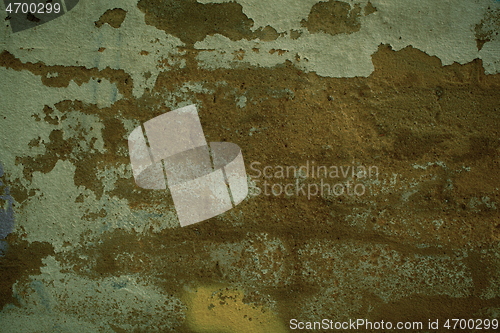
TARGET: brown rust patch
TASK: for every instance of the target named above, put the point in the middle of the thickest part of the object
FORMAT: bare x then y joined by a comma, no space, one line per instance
267,34
192,21
60,148
21,260
333,17
421,308
488,28
280,52
295,34
369,9
20,193
66,74
394,114
480,148
113,17
482,274
410,111
410,146
49,118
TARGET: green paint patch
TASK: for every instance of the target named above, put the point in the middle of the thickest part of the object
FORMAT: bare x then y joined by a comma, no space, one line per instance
220,310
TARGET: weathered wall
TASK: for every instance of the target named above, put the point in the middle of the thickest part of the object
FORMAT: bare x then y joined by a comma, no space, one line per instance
409,87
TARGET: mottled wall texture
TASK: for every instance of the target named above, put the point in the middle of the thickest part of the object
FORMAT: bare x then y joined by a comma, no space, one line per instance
398,100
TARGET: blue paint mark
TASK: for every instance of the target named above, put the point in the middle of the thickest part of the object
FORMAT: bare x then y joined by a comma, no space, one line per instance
4,247
6,213
119,285
114,94
39,288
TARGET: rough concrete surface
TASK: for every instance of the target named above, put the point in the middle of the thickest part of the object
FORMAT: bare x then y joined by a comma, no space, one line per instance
399,99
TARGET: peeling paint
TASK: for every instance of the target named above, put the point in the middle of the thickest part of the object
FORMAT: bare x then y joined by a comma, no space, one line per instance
409,87
60,301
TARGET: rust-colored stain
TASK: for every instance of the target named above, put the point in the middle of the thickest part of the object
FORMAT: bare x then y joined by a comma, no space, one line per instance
421,243
192,21
113,17
306,114
21,260
334,17
369,9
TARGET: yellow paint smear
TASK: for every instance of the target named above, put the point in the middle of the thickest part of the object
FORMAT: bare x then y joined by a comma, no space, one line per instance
221,310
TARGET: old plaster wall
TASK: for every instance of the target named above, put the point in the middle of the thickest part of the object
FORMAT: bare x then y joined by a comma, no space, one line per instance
409,87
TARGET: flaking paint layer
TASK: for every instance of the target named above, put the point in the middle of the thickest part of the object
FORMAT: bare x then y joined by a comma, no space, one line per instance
403,87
